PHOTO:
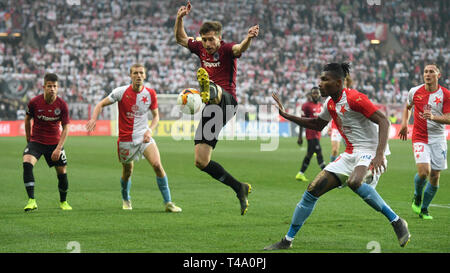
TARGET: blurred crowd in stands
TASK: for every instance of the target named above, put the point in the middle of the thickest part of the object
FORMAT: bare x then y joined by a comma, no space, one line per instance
92,44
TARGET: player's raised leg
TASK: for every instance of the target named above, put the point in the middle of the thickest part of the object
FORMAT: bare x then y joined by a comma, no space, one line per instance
324,182
152,155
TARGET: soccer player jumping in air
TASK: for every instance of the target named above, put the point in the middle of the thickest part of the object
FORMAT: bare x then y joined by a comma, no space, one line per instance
431,104
356,116
217,80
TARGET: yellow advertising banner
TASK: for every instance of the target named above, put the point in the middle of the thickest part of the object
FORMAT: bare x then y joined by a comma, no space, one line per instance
176,128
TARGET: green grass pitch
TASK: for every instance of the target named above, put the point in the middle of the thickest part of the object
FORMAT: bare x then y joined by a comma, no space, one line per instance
211,220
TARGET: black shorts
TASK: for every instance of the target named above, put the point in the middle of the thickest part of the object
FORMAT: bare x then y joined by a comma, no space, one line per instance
214,118
37,149
314,146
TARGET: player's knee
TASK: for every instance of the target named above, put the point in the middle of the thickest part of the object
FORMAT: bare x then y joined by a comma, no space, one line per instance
423,174
201,164
157,166
127,172
354,184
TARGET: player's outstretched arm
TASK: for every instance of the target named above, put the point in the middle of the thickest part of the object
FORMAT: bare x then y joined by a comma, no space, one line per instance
240,48
90,125
180,34
403,133
311,123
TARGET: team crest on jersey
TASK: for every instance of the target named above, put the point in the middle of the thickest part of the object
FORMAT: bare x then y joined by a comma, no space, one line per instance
57,111
437,100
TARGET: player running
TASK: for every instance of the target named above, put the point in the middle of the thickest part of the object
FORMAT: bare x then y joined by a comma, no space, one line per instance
217,80
356,118
431,104
49,113
135,136
311,109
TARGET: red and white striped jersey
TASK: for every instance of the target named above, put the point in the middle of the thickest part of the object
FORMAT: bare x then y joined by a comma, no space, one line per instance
428,131
133,109
351,114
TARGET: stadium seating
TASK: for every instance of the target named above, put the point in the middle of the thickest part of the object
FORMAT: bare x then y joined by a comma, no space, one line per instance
91,47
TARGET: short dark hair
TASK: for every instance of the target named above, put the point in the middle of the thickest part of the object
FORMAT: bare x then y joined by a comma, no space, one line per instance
339,70
50,77
437,66
211,26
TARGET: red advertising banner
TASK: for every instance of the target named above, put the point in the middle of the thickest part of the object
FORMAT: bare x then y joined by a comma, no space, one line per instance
76,128
395,128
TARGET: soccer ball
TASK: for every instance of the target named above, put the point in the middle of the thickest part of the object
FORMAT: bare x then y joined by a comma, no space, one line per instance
189,101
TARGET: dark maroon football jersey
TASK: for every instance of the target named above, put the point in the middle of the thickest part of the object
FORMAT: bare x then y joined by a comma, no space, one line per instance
311,110
47,119
221,66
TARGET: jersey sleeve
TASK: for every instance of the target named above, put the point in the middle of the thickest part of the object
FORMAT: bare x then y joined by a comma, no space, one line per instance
194,46
116,94
304,110
359,102
410,98
154,100
30,108
325,114
446,102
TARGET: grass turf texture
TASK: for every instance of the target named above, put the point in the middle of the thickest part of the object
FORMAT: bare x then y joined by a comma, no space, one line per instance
211,220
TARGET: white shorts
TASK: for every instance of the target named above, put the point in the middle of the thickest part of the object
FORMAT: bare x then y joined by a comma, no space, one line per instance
335,135
129,152
345,164
433,154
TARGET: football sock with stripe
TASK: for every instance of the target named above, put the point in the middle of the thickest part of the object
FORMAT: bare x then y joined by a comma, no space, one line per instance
219,173
419,183
63,186
371,197
28,179
302,211
163,185
126,186
428,195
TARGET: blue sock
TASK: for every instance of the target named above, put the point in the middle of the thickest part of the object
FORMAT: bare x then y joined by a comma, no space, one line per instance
332,158
126,186
371,197
302,211
428,195
163,186
418,185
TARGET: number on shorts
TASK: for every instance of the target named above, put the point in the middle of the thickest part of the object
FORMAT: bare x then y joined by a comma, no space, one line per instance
419,148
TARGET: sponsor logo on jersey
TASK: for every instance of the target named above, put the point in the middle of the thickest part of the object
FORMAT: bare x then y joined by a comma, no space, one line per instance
47,118
208,64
